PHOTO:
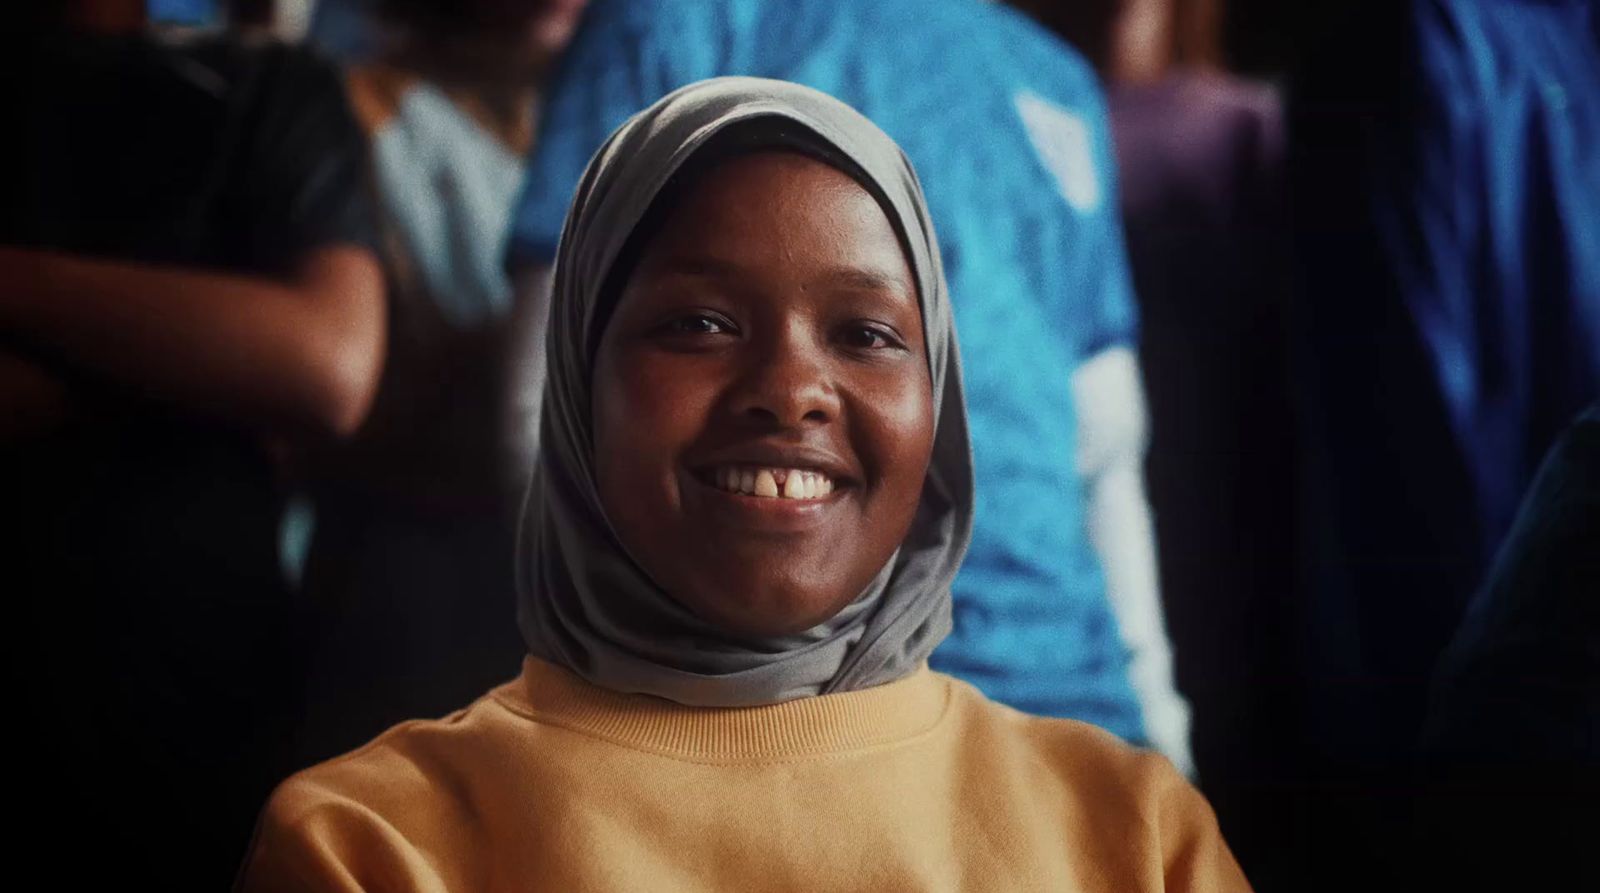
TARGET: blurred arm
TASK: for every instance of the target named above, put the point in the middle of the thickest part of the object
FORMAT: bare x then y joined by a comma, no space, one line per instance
296,356
1112,438
32,401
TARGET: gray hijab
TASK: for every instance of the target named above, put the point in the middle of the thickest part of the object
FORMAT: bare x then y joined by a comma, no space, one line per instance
583,602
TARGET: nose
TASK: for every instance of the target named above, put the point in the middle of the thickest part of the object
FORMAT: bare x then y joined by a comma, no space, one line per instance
786,381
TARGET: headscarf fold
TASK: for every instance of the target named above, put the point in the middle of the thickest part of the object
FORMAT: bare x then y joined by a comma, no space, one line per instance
583,602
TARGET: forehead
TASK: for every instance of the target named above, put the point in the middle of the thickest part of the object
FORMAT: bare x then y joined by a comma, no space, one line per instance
779,213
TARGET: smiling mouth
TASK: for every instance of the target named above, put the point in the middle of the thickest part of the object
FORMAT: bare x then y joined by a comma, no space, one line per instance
772,483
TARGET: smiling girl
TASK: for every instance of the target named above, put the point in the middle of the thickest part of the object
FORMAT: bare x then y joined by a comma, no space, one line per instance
753,492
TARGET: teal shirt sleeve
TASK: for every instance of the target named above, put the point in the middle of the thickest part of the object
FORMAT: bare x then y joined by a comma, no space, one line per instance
1110,304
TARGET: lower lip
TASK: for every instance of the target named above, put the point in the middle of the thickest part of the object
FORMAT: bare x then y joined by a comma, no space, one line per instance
772,514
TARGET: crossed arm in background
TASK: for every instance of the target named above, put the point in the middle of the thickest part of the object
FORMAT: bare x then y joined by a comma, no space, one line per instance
293,357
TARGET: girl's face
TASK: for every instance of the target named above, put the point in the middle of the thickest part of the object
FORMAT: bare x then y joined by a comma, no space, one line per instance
762,404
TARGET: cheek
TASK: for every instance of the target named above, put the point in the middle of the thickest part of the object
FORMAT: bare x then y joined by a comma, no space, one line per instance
899,436
643,415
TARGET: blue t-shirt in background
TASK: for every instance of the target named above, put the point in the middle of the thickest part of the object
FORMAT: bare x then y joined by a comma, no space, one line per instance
1008,131
1492,223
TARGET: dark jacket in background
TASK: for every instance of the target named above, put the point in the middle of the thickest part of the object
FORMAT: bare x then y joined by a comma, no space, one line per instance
153,654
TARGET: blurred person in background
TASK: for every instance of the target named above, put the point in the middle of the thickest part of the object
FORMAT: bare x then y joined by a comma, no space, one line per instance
188,294
1200,162
1448,223
414,520
1511,748
1057,610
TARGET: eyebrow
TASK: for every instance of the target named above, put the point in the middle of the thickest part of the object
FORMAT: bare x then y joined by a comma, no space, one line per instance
850,278
862,279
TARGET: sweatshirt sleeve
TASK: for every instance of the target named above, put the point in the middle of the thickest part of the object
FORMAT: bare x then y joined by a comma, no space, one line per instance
313,841
1195,858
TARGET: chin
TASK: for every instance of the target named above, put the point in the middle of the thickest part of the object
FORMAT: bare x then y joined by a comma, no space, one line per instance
778,611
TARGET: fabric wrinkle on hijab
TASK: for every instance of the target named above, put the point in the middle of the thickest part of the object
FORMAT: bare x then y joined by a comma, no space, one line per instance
583,602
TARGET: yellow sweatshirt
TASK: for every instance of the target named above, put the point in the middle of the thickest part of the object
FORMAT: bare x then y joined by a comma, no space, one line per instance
550,783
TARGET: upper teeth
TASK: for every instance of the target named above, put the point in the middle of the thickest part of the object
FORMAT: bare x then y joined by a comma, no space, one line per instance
785,483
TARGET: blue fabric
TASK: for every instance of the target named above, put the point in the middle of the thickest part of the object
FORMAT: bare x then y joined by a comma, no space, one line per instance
1452,311
346,30
1493,226
1026,213
182,12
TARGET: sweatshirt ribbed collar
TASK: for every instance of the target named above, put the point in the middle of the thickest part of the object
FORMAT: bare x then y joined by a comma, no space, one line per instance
823,724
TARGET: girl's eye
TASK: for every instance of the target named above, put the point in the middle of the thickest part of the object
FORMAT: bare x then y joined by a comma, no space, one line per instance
696,324
865,336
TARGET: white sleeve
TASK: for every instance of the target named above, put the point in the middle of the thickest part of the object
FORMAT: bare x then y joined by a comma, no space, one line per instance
1112,438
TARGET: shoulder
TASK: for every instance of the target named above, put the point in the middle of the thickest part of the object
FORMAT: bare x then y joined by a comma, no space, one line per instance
1034,49
1087,761
407,805
252,64
376,92
659,19
422,771
1114,803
